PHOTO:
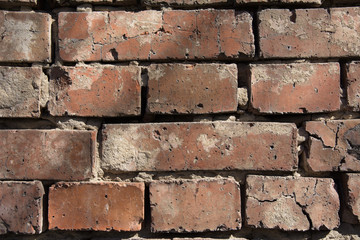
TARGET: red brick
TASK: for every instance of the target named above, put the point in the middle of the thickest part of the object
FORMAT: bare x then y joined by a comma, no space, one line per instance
186,3
351,182
353,85
291,203
95,91
199,146
302,2
47,154
20,89
192,88
99,206
195,205
309,33
333,145
95,2
295,88
21,207
155,35
25,37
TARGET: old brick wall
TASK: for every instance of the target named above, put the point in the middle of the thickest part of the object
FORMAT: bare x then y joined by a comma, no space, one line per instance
179,119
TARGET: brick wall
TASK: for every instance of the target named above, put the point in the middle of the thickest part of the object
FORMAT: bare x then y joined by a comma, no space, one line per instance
179,119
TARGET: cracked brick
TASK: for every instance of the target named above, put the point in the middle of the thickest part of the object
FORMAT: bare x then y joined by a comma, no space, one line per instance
154,35
353,85
333,145
309,33
351,185
212,204
291,203
21,207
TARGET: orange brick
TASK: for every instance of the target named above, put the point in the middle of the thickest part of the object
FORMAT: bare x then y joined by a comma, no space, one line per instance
199,146
95,91
47,154
195,205
99,206
192,88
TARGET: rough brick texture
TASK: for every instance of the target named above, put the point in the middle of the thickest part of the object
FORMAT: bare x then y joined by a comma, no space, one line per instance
353,85
25,37
333,145
186,3
20,89
192,88
95,2
21,207
95,91
96,206
268,2
295,88
199,146
144,35
309,33
195,205
291,203
47,154
18,3
351,183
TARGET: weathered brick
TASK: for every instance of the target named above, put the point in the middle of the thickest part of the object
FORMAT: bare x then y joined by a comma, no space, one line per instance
99,206
353,85
95,91
309,33
120,35
192,88
295,88
18,3
20,89
195,205
186,3
291,203
302,2
333,145
95,2
21,207
25,37
351,183
199,146
47,154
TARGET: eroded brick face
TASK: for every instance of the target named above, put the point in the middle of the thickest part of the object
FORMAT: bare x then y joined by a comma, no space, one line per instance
309,33
333,145
20,91
155,35
351,213
195,205
295,88
353,85
21,207
96,91
268,2
47,154
192,88
199,146
102,206
187,3
290,203
25,37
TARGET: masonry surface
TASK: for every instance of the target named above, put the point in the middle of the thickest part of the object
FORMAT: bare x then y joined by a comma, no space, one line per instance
179,119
